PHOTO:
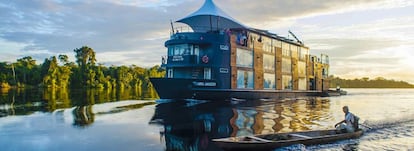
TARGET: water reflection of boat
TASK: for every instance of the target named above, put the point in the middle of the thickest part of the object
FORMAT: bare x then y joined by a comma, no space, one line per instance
191,127
185,127
272,141
218,57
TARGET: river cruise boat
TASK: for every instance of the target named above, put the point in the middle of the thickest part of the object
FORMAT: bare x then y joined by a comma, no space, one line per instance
216,57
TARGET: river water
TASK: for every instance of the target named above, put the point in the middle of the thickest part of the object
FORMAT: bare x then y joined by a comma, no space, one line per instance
123,124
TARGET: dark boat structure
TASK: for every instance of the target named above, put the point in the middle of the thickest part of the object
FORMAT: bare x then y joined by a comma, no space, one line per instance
277,140
217,57
335,93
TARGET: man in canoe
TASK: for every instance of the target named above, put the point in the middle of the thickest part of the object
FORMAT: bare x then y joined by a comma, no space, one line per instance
349,124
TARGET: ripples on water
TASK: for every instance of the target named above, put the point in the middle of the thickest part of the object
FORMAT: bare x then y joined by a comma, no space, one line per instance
191,124
387,112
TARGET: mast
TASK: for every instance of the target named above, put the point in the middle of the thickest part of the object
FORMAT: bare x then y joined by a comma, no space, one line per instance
294,36
172,27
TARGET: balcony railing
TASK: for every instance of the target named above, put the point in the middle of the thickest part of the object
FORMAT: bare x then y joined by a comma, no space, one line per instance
184,29
181,60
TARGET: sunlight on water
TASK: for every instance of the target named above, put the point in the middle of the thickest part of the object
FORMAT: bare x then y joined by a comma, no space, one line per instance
387,111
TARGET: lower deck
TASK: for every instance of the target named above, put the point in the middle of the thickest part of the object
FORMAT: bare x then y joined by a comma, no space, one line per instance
168,88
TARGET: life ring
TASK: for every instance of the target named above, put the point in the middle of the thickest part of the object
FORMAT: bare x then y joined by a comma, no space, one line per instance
204,59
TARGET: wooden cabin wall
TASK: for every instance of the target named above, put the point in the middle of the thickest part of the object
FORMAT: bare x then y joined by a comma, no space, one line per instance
295,73
295,70
309,71
233,57
326,86
313,68
318,76
278,54
258,65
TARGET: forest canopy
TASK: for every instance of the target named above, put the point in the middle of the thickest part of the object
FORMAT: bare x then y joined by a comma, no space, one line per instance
365,82
59,72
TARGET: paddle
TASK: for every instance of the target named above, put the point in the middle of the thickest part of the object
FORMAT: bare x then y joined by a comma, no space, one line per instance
370,128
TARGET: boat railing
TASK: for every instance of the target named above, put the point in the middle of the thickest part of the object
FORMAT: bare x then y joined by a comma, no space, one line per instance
187,29
181,60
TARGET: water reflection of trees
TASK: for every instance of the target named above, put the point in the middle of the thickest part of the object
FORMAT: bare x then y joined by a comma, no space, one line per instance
27,101
83,116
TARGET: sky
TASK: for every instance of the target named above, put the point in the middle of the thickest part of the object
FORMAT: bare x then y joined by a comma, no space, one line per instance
364,38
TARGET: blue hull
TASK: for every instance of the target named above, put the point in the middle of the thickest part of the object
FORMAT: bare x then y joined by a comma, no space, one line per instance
185,89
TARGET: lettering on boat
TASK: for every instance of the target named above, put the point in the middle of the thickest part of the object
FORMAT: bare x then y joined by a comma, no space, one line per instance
207,84
177,58
224,70
224,47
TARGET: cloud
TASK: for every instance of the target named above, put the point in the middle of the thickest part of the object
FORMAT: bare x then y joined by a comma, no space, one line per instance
378,46
60,27
124,25
259,13
133,32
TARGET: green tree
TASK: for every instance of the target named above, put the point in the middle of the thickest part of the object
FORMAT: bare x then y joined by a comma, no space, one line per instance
84,74
26,71
6,76
65,71
50,72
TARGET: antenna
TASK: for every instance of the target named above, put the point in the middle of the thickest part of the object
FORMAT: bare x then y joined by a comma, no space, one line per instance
172,26
294,36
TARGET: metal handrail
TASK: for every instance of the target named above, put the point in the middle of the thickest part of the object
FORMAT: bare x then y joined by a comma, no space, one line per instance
193,29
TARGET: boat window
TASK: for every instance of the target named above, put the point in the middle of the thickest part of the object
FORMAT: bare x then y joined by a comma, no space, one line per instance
294,51
269,81
196,50
302,68
286,65
170,73
303,52
267,44
244,79
268,62
324,59
182,73
170,51
286,49
207,73
187,51
325,72
183,49
302,83
244,58
287,82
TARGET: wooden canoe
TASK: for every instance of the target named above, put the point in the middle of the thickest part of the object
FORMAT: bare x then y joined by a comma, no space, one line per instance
277,140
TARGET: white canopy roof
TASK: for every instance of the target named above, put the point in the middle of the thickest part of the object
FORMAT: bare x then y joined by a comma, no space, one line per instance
210,17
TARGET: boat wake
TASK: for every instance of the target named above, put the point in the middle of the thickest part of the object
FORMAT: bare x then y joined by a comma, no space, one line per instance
297,147
388,123
373,138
